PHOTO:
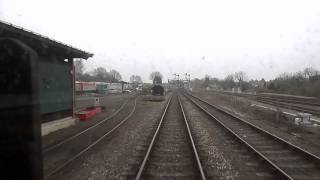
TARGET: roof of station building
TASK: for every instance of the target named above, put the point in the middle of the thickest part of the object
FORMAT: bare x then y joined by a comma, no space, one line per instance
41,42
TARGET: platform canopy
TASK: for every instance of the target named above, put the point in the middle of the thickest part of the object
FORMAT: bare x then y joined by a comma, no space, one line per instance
42,44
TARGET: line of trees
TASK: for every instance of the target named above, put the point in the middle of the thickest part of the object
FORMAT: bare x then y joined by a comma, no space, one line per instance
98,74
102,75
237,79
305,82
135,80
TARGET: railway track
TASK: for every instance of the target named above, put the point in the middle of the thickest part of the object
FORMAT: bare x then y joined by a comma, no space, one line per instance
64,141
311,106
171,153
291,106
287,99
285,159
58,156
309,102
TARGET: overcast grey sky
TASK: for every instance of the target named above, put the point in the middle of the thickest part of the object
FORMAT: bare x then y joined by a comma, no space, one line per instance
261,37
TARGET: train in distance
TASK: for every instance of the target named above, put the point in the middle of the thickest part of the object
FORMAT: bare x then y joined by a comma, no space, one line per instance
157,88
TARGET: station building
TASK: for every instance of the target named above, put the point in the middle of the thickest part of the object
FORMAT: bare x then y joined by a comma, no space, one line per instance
54,71
36,89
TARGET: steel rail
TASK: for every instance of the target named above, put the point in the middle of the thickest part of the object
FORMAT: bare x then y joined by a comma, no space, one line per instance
291,146
281,102
85,130
281,99
92,144
146,157
195,151
288,106
288,99
279,171
305,152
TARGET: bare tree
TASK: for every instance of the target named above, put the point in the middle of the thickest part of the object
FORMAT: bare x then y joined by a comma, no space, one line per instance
196,83
155,74
88,77
229,77
115,76
101,74
240,76
135,79
79,69
309,72
228,81
206,81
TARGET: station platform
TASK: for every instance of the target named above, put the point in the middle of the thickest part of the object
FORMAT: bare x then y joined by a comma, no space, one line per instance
52,126
49,127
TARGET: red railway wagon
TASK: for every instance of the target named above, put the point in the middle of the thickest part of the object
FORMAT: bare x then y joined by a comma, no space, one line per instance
85,86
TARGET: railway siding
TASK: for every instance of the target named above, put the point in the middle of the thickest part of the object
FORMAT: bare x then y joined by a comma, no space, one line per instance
264,116
300,104
59,156
111,103
222,155
290,160
115,155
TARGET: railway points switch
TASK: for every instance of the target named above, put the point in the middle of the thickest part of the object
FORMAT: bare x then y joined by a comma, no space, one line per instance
303,119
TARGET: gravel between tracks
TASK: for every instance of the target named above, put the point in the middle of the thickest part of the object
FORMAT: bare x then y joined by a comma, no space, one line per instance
266,120
172,156
224,158
109,158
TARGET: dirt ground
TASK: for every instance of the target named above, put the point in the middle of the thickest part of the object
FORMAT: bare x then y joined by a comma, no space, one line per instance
306,138
111,157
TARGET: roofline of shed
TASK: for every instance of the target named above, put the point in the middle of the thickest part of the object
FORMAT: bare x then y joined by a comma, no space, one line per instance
85,55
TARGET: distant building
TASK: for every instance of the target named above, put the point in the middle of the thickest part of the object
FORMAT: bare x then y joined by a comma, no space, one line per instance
314,78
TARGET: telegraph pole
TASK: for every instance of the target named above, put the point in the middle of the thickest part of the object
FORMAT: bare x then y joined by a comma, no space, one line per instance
187,76
176,79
